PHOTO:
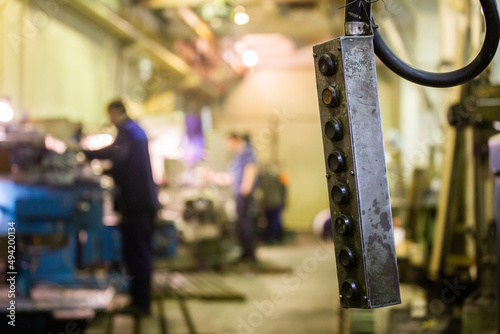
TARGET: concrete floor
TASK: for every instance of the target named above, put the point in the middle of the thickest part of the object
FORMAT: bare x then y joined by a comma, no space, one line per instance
302,301
305,300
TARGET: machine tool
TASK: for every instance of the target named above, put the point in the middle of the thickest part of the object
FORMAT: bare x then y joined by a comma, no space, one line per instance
51,213
57,213
475,122
354,148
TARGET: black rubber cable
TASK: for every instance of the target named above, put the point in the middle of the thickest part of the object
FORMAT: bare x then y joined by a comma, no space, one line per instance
449,79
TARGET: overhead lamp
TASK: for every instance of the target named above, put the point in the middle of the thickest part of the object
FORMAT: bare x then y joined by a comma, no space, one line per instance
241,17
250,58
6,112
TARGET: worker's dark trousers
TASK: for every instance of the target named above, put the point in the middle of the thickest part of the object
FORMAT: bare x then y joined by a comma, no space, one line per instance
274,228
244,227
137,232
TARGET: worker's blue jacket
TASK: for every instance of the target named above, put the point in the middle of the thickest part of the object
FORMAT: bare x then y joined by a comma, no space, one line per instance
131,169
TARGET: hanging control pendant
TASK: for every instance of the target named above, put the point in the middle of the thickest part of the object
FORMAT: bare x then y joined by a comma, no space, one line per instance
357,174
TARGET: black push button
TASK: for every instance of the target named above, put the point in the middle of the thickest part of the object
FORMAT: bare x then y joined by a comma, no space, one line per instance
333,130
343,225
349,289
347,257
336,162
327,65
340,194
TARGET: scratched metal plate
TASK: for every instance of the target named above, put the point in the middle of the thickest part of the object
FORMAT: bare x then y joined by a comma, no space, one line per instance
372,240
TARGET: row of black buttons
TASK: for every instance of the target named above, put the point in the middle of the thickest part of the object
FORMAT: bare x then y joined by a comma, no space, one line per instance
336,163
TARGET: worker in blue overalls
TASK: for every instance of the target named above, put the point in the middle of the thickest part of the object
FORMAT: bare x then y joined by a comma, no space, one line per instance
244,173
136,200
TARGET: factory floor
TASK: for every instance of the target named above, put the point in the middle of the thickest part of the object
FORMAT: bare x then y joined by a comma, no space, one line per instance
301,300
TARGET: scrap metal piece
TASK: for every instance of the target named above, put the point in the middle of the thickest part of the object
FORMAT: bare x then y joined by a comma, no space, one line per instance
355,163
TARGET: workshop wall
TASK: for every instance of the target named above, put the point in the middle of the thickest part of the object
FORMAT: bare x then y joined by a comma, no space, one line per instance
285,129
57,65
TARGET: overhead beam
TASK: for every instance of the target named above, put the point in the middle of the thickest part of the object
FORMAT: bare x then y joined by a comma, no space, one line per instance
123,29
164,4
194,22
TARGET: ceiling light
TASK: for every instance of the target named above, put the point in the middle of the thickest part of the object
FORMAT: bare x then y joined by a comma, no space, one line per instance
6,112
250,58
241,18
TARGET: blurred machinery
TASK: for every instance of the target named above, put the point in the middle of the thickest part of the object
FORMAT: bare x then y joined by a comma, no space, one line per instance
53,208
455,251
206,231
200,204
464,242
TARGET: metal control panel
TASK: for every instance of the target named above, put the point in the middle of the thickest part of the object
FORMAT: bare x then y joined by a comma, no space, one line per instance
356,172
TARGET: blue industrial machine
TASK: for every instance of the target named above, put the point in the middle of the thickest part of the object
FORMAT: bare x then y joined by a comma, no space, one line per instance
57,214
52,206
59,226
66,234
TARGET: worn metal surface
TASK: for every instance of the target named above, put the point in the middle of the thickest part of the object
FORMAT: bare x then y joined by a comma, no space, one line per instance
373,268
